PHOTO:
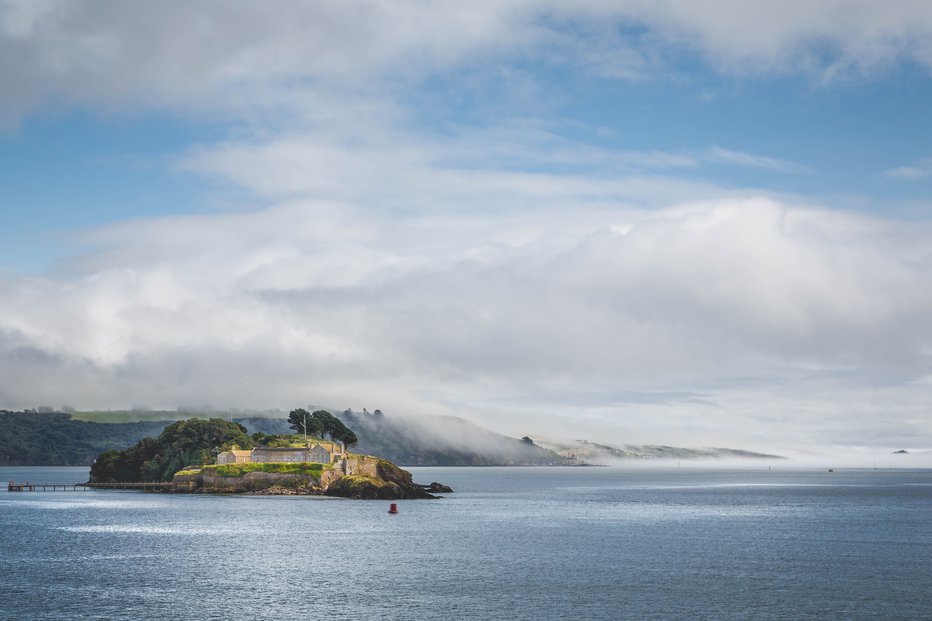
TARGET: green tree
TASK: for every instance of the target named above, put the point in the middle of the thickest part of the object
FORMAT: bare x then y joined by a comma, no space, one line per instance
347,436
334,427
303,421
184,443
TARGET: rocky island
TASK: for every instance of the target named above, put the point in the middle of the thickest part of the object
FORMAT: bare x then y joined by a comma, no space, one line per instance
217,456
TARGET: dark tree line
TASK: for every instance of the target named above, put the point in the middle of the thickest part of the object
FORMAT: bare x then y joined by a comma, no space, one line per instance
321,423
34,438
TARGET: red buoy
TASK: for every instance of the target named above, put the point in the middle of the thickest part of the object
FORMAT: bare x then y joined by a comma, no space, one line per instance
393,509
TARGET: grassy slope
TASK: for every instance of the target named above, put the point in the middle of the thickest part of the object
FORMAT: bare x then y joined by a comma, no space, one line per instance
238,470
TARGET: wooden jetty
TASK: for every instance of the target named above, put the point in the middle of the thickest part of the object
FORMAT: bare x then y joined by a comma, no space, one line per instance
26,486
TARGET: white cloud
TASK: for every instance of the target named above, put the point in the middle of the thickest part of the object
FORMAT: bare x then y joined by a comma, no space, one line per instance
827,39
216,57
474,311
740,158
921,169
525,167
240,56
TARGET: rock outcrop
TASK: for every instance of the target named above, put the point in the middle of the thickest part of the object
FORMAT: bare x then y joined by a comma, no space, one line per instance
377,478
439,488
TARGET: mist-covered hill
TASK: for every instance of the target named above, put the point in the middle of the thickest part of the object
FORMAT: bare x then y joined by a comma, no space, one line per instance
404,440
603,454
442,441
57,438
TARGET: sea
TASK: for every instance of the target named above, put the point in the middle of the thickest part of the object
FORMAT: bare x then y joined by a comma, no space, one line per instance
510,543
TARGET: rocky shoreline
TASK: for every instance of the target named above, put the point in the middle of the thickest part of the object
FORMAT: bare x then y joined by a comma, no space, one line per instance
358,477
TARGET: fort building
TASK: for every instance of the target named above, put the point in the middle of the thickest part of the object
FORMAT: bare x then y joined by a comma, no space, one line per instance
318,453
235,456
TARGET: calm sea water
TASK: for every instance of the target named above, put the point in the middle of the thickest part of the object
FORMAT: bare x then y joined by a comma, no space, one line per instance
512,543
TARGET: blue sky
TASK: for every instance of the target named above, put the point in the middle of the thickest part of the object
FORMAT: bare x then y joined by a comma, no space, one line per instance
73,171
73,167
519,212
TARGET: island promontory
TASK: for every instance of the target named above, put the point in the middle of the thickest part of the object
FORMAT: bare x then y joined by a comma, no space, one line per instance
219,456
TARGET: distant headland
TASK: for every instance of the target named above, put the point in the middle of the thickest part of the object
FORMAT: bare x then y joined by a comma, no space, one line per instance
45,437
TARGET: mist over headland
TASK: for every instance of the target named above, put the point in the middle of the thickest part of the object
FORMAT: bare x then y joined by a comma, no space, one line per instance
425,440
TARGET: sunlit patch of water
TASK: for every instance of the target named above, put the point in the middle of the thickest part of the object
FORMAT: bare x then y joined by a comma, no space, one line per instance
139,529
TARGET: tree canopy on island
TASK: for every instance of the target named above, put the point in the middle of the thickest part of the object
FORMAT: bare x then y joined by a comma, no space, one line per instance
303,421
321,423
185,443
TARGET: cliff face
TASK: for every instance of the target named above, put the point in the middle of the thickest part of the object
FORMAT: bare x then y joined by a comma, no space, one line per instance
359,476
253,482
371,477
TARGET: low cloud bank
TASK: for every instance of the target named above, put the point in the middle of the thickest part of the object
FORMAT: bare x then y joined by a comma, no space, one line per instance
750,318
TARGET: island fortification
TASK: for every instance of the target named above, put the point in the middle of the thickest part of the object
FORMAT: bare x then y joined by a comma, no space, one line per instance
217,456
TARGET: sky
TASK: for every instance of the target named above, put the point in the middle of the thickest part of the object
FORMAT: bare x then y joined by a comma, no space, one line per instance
635,221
